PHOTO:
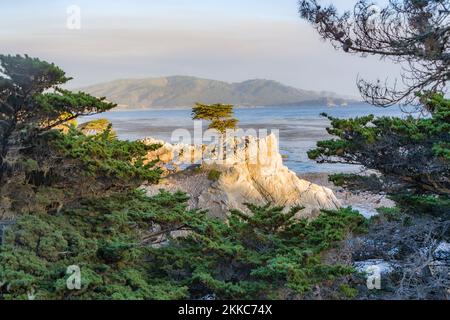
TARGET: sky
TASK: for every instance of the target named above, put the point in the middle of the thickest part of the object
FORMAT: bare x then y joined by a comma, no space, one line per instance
228,40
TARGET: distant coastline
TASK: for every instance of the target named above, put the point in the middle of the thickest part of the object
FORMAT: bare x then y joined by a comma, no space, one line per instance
181,92
300,105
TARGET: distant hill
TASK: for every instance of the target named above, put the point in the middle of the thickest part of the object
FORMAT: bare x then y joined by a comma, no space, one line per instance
183,91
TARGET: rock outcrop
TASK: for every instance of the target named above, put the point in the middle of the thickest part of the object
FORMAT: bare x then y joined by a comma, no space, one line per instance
252,171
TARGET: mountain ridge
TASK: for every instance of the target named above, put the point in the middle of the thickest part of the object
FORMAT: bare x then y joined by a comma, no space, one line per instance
185,91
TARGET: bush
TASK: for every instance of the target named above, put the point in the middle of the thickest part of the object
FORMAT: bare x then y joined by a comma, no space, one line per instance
266,255
214,175
252,257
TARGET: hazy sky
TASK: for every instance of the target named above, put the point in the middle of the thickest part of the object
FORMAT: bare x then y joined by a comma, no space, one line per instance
230,40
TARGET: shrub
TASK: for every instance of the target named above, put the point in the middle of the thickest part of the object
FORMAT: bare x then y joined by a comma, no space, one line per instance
214,175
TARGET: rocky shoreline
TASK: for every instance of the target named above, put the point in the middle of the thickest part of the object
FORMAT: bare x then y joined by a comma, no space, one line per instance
366,203
253,172
244,170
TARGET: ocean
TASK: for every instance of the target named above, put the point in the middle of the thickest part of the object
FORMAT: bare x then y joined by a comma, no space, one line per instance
299,127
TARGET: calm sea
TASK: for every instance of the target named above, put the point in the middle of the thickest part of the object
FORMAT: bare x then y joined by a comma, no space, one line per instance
299,127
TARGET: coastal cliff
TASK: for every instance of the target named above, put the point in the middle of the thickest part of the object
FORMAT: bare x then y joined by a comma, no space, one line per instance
252,172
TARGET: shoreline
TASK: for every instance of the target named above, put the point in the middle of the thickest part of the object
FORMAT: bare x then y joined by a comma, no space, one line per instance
163,108
366,203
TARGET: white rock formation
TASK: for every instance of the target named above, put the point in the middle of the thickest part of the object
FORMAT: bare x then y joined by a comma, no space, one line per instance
375,266
251,172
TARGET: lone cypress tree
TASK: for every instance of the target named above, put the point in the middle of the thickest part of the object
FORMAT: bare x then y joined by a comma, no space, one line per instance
220,115
221,118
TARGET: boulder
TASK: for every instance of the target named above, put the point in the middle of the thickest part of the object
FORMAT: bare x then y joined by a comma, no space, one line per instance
380,266
442,251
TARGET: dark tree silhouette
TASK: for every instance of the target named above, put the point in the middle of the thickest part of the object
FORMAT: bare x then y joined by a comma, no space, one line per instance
412,33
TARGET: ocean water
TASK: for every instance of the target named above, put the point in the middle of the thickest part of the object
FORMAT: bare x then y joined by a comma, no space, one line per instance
299,127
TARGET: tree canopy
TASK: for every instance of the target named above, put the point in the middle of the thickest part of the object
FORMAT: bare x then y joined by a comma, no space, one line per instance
412,154
220,116
405,158
412,33
32,102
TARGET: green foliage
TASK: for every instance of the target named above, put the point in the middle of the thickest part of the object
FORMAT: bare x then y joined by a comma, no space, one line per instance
35,159
390,214
101,154
220,115
214,175
30,87
355,182
256,256
222,125
412,154
29,165
96,127
31,103
424,204
394,215
101,237
339,179
63,102
348,292
212,112
31,73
